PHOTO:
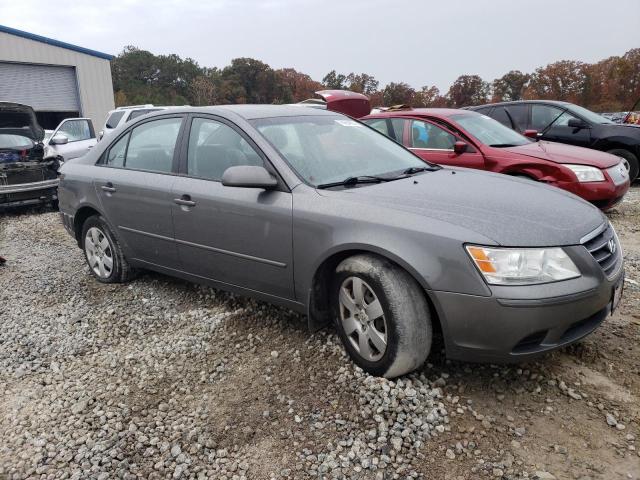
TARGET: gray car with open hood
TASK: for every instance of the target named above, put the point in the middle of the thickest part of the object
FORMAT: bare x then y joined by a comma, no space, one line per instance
317,212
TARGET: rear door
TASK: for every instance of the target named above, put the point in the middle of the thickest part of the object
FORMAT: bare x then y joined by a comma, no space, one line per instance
238,236
134,187
80,138
435,144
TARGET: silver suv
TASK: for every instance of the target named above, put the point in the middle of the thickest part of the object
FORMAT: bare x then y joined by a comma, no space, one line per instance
122,115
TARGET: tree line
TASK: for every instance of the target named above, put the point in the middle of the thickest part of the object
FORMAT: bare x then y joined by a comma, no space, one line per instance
139,77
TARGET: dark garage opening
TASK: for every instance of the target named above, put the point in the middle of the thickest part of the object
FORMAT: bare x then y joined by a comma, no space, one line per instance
50,120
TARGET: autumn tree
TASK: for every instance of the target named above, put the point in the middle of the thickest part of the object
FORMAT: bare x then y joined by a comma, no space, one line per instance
510,86
299,85
468,90
334,81
362,83
564,80
254,81
203,91
398,93
429,96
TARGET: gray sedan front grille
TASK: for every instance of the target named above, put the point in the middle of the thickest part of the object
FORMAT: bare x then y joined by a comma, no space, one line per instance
605,249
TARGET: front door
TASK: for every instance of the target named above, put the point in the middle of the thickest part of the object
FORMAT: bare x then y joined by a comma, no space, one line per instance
435,144
134,188
237,236
80,138
552,122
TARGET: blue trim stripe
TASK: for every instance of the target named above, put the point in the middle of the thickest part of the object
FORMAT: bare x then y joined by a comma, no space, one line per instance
55,43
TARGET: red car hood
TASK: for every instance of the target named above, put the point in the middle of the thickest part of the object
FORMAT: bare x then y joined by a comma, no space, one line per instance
561,153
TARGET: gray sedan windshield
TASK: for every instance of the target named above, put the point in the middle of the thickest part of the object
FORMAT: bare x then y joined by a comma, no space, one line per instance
324,149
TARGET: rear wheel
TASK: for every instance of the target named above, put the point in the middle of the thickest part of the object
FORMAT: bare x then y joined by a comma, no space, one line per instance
381,315
103,253
630,162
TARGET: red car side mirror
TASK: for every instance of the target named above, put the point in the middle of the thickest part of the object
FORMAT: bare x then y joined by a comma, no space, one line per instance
531,134
460,147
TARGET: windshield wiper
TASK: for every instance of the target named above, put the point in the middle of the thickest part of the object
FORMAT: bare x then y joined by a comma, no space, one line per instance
502,145
412,170
350,181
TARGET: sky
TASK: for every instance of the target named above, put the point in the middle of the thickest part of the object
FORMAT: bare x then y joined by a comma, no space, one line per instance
420,42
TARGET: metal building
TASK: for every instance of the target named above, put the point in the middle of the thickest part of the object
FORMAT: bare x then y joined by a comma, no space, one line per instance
57,79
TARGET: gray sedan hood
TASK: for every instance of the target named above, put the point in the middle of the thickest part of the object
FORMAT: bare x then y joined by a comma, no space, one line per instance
510,211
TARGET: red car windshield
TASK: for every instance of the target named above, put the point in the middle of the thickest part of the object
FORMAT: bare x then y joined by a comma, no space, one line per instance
489,131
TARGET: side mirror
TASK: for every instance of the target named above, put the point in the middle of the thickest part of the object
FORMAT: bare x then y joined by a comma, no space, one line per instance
531,134
59,139
576,123
248,176
460,147
100,135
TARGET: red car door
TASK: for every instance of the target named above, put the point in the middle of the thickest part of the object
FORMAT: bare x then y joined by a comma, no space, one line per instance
435,144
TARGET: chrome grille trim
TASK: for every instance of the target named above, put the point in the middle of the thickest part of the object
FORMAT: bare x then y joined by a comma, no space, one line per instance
597,244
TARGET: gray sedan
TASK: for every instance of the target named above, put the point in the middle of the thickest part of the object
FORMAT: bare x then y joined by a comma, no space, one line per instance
319,213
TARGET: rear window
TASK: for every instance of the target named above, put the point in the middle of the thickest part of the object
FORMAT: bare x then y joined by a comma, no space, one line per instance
114,119
14,120
139,113
15,141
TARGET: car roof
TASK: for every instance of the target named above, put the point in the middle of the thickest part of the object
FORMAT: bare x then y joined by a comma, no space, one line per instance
517,102
251,112
421,112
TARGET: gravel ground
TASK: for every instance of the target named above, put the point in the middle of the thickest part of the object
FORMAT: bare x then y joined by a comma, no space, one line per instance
165,379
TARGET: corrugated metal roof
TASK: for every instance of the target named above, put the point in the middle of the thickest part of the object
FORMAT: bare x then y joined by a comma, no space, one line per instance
55,43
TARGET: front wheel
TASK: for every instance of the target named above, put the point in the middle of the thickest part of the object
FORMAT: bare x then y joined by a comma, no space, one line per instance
382,316
630,162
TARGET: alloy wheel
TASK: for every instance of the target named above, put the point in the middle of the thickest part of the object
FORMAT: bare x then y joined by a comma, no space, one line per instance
363,319
99,252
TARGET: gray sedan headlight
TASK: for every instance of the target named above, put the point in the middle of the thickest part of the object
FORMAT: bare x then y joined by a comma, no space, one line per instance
586,173
522,266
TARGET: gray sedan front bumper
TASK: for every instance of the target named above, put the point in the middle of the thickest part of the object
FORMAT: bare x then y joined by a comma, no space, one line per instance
520,322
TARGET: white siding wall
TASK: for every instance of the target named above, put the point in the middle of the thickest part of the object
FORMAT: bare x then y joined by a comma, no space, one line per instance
94,73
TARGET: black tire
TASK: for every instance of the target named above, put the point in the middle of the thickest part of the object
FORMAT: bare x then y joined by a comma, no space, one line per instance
631,159
405,319
120,270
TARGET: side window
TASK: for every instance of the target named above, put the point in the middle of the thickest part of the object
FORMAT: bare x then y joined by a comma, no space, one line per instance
429,136
397,124
214,147
543,115
152,145
500,114
519,116
76,130
115,157
379,124
114,119
563,120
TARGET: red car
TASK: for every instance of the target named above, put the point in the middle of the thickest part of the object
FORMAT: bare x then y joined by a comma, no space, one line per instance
468,139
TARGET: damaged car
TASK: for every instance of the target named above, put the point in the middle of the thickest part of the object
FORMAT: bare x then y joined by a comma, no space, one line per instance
30,156
312,210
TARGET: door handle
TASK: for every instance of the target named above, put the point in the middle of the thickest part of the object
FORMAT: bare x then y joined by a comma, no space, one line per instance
108,187
185,200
